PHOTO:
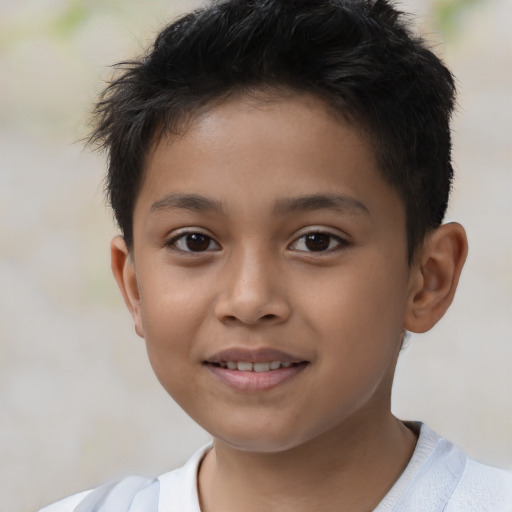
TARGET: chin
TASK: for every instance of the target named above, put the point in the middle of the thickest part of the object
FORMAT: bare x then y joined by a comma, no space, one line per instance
258,445
261,440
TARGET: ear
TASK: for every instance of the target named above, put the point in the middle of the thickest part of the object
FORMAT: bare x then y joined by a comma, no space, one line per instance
123,268
434,276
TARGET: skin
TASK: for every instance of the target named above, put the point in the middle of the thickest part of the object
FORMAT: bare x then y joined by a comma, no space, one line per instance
326,435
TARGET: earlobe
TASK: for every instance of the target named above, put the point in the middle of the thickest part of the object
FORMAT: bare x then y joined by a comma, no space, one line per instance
123,268
435,276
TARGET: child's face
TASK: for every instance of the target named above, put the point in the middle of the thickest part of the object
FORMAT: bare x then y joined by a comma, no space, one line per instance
266,233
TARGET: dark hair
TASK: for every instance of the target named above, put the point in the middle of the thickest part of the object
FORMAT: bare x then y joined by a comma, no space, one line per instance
358,56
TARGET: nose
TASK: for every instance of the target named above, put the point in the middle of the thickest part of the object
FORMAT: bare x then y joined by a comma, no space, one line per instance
253,291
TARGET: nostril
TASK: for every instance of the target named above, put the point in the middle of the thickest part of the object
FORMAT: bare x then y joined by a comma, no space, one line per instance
231,310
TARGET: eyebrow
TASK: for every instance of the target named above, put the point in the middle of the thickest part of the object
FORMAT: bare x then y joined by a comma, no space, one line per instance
283,206
345,204
192,202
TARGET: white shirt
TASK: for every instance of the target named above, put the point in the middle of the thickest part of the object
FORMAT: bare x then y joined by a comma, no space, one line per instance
438,478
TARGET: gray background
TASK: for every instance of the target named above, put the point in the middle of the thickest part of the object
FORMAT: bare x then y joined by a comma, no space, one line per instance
78,401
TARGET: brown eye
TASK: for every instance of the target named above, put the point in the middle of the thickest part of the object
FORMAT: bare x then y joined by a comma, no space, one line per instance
194,242
197,242
317,241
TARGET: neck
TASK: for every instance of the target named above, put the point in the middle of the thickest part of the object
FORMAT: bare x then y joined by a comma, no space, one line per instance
350,468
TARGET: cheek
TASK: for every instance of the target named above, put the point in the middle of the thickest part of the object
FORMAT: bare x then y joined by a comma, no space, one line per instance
356,320
172,311
357,306
172,303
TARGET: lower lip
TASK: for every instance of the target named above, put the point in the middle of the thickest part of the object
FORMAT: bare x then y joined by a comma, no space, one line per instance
256,381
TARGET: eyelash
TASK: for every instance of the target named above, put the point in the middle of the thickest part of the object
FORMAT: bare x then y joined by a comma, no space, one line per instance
341,243
182,237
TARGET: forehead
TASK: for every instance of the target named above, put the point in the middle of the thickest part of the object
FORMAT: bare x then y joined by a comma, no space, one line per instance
265,148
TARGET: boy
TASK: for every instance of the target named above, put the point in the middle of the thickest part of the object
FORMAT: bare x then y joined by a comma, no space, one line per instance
280,171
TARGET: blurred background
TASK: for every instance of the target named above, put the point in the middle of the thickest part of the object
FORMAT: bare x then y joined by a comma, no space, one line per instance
79,404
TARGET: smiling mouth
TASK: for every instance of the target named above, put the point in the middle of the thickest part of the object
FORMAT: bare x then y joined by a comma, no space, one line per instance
255,376
260,367
254,370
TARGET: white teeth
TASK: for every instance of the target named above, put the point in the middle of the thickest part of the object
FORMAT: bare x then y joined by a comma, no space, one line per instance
256,367
247,367
261,367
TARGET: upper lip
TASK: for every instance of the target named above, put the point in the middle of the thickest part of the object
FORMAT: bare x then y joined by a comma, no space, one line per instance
260,355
